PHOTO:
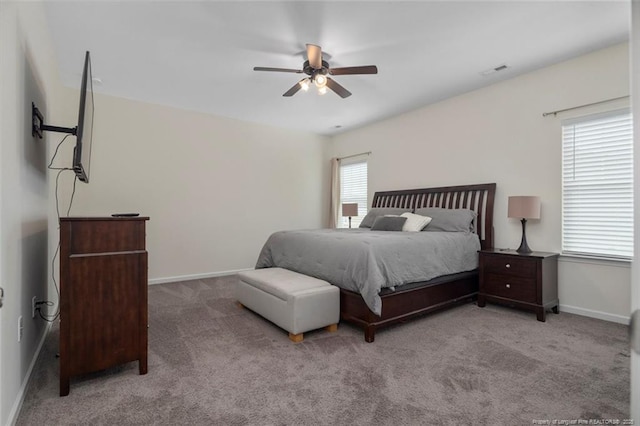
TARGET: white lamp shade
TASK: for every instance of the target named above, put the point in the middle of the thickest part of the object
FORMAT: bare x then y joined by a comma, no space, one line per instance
350,209
524,207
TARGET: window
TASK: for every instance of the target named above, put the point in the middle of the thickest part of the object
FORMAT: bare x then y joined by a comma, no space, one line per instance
353,189
597,185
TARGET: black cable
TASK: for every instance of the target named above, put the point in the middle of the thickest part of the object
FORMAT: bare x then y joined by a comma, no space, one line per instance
56,153
73,193
44,317
52,318
56,192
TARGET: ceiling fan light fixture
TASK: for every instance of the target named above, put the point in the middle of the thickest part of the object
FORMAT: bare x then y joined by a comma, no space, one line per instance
304,84
320,80
322,90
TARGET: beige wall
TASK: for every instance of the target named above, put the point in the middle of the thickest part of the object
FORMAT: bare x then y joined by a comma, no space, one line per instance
214,188
497,134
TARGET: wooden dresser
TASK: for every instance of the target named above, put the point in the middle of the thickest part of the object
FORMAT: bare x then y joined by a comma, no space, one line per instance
103,295
527,281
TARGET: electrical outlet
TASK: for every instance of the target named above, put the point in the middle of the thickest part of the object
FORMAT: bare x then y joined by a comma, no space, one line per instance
33,307
20,328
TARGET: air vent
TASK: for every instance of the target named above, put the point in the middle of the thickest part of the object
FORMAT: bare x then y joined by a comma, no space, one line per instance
495,70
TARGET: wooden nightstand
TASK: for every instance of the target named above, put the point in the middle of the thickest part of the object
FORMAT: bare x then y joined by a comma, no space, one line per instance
526,281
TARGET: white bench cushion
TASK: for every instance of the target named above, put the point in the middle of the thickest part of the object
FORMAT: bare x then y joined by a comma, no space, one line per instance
282,283
295,302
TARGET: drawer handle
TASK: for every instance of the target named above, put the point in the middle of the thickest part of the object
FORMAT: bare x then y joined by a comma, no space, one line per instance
508,286
508,266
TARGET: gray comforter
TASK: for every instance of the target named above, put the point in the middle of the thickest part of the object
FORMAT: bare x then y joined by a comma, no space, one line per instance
365,261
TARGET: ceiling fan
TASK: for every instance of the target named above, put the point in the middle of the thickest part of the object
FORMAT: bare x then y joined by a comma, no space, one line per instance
317,70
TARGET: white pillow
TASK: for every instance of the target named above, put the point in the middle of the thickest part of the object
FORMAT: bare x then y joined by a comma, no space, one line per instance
415,222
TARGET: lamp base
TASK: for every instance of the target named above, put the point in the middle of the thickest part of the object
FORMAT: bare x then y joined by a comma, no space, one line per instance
524,247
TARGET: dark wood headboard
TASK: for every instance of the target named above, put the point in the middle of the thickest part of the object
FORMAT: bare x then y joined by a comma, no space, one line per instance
478,198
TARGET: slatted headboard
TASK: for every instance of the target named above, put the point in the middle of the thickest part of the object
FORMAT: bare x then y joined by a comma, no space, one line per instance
478,198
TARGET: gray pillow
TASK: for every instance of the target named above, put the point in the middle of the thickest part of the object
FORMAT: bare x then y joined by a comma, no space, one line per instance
450,220
388,223
368,220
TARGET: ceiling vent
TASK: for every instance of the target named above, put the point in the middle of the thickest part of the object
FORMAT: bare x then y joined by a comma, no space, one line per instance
494,70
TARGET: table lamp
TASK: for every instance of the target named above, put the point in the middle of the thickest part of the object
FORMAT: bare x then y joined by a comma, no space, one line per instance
523,208
349,209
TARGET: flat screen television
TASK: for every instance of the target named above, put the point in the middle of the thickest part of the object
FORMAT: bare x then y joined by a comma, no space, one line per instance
83,132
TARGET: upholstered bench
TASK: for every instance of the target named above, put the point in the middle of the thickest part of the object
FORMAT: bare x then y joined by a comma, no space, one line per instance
295,302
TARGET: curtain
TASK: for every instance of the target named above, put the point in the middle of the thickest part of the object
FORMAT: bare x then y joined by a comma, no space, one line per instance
334,213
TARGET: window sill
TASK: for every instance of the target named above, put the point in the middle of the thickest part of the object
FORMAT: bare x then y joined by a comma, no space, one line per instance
595,260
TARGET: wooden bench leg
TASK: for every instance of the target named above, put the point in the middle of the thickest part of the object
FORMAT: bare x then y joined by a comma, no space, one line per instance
332,328
296,338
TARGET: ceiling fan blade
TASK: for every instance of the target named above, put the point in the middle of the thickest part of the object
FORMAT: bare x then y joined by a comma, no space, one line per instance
294,89
341,91
314,54
276,69
365,69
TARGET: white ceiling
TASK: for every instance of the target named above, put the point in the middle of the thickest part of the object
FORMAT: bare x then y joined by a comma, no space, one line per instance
200,55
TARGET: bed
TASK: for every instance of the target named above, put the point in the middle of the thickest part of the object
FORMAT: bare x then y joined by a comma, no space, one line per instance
390,277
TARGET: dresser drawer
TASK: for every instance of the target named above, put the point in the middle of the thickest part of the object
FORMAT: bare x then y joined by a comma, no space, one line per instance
510,265
510,287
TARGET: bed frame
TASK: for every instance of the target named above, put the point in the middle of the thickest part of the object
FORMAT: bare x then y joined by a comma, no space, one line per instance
412,300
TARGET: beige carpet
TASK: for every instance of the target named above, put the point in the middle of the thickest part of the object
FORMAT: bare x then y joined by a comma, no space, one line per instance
212,363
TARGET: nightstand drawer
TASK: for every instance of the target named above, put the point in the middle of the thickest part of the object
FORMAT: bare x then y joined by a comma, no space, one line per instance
510,287
510,265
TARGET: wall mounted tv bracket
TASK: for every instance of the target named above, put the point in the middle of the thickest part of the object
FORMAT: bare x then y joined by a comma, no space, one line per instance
38,126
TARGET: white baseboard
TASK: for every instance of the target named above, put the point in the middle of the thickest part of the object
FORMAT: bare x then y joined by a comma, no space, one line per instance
620,319
195,276
17,405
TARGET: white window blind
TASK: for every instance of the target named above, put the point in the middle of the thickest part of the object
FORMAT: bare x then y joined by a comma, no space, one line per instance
353,189
597,185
